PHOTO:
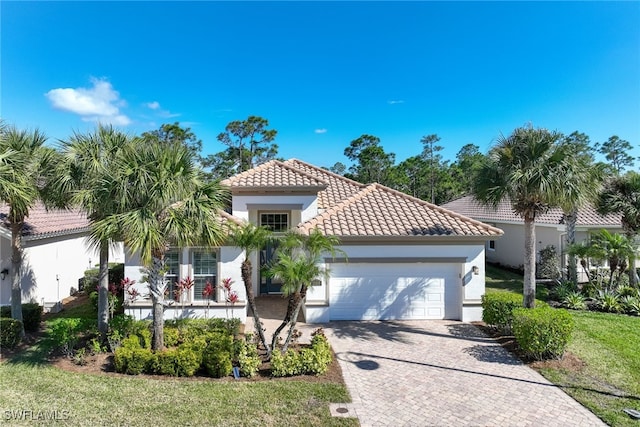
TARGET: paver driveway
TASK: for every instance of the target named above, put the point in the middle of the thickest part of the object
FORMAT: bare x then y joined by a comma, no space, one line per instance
445,373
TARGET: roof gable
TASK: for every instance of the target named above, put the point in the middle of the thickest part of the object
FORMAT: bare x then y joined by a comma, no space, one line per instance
43,223
275,176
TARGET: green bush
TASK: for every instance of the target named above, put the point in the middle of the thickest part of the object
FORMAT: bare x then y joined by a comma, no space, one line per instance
609,301
313,360
31,315
134,361
10,330
216,357
497,309
248,359
65,333
180,362
171,337
631,305
542,332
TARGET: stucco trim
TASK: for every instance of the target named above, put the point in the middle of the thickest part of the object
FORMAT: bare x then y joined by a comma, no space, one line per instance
399,260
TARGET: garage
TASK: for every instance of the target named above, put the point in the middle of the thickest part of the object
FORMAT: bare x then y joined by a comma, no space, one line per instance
387,291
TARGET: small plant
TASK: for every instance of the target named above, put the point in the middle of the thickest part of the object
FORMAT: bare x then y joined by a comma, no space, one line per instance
631,305
248,359
80,357
207,293
575,301
230,296
65,334
182,291
217,355
10,330
562,289
313,360
96,347
542,332
131,292
609,301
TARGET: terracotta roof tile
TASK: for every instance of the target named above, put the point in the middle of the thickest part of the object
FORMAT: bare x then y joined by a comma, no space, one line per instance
587,215
42,223
379,211
339,189
274,174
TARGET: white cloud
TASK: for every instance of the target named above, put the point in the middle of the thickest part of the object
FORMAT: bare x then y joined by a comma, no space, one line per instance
395,101
99,103
155,105
323,130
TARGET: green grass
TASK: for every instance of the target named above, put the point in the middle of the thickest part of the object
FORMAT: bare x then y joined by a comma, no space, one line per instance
609,346
29,382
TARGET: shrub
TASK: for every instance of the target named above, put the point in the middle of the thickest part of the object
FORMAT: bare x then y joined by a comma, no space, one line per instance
171,337
10,330
217,355
31,315
181,362
248,359
575,301
65,333
542,332
134,361
497,309
313,360
630,291
562,289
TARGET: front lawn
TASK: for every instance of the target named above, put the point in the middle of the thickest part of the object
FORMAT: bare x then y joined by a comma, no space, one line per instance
33,389
602,370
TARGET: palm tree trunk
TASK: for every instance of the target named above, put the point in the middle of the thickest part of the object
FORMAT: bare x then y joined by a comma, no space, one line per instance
529,290
157,287
103,290
16,276
291,306
570,221
294,317
248,287
633,275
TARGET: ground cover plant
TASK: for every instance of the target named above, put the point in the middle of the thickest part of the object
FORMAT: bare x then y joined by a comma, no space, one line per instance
601,367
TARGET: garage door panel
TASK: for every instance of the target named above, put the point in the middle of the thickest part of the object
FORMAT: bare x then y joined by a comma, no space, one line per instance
389,291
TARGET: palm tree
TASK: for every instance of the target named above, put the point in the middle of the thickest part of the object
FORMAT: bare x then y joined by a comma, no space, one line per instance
616,249
251,238
24,163
524,168
164,202
87,177
621,195
298,266
582,183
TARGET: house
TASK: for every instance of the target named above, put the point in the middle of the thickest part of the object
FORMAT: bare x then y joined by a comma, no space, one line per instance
56,253
550,229
403,258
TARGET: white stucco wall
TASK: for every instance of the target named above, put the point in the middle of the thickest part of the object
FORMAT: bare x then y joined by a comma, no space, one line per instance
229,264
51,267
473,285
309,205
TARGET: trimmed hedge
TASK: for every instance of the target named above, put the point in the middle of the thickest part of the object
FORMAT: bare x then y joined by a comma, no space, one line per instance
313,360
178,362
134,361
31,315
498,307
217,356
542,332
10,330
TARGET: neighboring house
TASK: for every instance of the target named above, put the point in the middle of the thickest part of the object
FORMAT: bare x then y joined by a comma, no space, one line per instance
403,257
56,254
550,229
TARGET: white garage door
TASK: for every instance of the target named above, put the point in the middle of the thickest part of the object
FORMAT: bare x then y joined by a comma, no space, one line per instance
385,291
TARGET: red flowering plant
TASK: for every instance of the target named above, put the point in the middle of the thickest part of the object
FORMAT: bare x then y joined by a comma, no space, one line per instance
131,292
230,296
183,288
207,294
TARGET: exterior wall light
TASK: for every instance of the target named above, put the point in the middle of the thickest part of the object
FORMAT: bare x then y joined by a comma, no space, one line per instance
3,274
475,269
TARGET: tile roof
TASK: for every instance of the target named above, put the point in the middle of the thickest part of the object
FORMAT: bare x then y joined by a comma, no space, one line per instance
379,211
274,174
339,189
43,223
587,215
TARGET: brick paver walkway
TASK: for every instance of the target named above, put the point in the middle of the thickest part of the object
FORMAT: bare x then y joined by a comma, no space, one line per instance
442,373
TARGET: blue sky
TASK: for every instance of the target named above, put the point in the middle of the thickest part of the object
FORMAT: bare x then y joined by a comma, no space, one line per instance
324,73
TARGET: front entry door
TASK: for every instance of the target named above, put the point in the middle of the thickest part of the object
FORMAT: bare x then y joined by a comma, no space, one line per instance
268,285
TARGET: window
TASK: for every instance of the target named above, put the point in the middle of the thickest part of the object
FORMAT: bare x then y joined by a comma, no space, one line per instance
492,245
172,266
205,269
276,222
